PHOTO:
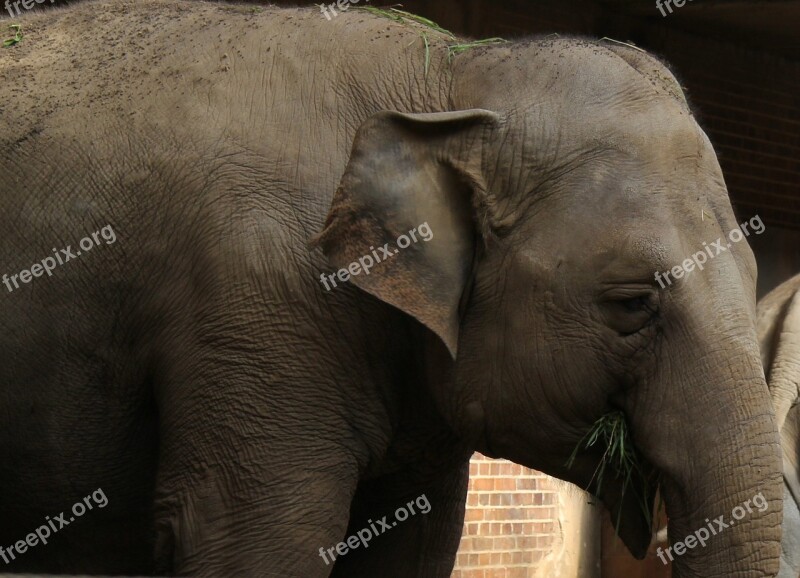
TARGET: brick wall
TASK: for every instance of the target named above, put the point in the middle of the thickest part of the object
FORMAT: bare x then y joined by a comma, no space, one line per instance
514,524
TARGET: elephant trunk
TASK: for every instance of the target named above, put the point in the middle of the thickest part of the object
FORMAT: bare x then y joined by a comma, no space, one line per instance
720,465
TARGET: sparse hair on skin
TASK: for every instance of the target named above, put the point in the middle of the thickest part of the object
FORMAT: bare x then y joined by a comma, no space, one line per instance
652,68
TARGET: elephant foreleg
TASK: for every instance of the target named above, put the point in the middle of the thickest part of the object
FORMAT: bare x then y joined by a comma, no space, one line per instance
415,526
238,496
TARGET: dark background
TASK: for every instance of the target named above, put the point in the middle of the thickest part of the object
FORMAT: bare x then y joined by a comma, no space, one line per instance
739,63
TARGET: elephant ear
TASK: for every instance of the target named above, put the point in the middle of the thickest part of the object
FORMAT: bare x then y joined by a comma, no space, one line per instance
407,170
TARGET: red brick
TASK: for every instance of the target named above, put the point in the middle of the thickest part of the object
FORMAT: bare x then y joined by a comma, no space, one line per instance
544,542
526,484
505,543
484,484
509,521
473,514
525,542
505,484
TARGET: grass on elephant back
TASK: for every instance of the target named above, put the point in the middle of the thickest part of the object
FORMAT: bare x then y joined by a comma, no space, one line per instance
620,455
452,49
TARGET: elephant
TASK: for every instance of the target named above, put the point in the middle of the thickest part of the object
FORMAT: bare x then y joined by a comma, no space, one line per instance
347,253
778,326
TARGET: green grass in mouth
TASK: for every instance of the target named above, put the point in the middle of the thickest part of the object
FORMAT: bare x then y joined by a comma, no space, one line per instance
620,457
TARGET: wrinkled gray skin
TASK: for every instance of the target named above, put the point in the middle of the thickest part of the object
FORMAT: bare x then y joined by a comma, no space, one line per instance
790,542
237,415
779,337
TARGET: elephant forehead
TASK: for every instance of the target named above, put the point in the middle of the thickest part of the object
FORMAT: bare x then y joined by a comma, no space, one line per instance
662,143
571,73
660,134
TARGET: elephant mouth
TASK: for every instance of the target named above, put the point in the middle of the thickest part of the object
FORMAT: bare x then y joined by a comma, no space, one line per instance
620,475
628,496
629,499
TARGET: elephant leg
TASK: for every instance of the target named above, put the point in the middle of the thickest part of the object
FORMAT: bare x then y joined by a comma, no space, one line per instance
212,529
418,525
236,494
211,522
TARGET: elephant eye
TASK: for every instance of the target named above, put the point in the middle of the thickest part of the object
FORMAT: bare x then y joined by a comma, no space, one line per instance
629,311
635,304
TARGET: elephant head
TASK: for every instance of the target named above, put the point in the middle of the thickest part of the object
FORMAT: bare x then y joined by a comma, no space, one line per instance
567,174
779,337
